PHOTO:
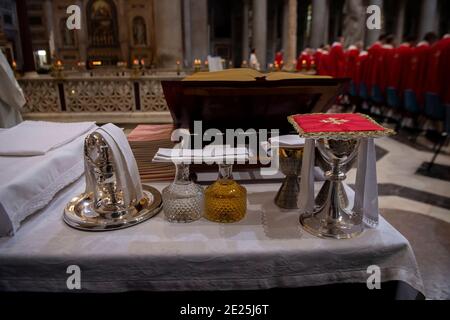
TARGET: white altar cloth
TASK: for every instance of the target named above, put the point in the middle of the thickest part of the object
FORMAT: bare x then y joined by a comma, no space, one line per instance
266,249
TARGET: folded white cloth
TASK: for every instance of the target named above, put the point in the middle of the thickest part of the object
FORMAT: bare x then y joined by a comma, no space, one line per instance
126,169
31,138
211,153
28,184
306,196
366,197
288,140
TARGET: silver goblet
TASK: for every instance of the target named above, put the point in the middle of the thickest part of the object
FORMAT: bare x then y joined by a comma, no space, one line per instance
325,166
331,217
291,166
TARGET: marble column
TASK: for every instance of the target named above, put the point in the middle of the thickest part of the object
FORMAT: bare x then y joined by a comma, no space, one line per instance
123,31
82,34
245,42
168,31
25,36
187,33
319,23
428,17
291,53
260,31
199,29
285,26
354,21
372,35
50,28
400,25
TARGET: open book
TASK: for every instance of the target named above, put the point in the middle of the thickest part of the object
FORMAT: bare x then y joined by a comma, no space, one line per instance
246,74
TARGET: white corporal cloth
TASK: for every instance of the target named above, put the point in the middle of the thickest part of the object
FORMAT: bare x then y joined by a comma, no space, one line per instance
29,183
125,165
31,138
366,187
267,249
11,95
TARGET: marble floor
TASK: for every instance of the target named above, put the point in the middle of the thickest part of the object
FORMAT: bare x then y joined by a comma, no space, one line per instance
419,207
396,171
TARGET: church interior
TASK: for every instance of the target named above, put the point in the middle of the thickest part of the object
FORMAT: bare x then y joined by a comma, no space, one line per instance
196,151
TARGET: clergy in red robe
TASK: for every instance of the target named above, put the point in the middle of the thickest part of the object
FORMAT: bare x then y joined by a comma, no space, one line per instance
398,65
317,56
304,60
438,67
360,69
384,63
279,59
444,71
371,74
337,60
323,68
417,73
351,58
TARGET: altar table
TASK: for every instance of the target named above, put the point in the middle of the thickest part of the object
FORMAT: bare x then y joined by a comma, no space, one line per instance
267,249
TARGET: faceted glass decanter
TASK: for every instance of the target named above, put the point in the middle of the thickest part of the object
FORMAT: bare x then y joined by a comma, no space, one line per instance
225,199
183,199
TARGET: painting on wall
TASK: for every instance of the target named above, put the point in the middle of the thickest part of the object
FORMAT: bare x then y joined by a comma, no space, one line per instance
102,23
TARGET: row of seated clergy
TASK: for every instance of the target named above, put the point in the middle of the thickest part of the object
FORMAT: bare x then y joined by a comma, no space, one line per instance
420,70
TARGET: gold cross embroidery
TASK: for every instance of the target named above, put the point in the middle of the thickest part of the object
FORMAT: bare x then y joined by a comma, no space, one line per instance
334,120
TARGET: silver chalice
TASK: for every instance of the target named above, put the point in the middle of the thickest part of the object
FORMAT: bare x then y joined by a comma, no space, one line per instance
331,216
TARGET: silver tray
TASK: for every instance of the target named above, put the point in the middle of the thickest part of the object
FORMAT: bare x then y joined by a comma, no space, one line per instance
79,212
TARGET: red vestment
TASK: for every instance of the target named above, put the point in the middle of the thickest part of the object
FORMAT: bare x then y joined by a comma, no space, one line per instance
279,59
303,61
398,66
437,70
385,63
351,58
337,60
323,68
360,68
371,75
444,72
416,72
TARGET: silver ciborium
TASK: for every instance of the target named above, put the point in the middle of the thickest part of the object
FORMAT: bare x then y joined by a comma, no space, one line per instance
106,204
290,160
331,216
